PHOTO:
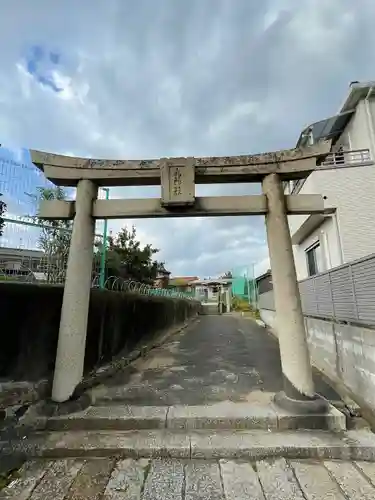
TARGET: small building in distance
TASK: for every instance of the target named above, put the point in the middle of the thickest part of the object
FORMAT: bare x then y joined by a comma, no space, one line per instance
162,279
17,259
209,290
182,283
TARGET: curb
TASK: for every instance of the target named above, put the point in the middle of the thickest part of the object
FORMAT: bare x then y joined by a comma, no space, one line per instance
260,323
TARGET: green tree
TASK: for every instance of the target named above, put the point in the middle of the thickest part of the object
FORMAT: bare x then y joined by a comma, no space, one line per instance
3,208
54,239
127,258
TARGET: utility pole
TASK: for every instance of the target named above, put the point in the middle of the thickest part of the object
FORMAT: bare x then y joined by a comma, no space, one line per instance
103,252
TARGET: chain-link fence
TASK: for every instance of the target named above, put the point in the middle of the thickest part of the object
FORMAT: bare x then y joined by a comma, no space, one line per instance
30,250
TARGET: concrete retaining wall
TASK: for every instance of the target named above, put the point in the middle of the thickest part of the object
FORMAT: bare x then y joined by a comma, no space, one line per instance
345,353
30,316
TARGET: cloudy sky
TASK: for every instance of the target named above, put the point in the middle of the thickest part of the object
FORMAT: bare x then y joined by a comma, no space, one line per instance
125,79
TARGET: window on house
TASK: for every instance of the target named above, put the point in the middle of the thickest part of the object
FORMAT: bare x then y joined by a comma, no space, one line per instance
313,257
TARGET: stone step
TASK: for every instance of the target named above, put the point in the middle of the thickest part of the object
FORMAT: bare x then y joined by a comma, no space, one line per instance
203,444
225,415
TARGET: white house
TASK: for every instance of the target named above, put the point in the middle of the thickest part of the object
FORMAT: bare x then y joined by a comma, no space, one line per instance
347,231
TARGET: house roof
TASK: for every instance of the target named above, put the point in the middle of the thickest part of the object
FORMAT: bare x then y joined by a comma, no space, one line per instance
217,281
9,252
182,280
264,275
332,127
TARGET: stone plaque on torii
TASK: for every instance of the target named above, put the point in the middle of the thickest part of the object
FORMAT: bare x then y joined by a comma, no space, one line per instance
177,178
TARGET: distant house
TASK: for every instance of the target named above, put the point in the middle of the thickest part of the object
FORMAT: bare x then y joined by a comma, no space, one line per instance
209,290
162,279
182,283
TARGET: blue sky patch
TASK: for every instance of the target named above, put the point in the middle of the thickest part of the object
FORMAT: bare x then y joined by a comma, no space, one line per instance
40,63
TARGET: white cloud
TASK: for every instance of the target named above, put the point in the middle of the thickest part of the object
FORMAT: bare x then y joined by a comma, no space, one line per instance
233,116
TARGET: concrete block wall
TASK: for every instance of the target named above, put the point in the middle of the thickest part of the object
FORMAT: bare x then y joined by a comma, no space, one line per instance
344,353
30,317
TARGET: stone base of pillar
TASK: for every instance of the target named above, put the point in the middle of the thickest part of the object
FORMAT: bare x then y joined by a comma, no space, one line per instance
50,408
304,406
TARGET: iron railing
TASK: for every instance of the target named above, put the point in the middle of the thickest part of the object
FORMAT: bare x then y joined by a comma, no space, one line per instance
346,159
339,160
345,293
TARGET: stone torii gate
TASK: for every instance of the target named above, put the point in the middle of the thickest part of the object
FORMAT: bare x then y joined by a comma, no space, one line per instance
177,177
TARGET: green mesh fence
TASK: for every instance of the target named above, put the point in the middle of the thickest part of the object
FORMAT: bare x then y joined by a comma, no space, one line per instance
244,284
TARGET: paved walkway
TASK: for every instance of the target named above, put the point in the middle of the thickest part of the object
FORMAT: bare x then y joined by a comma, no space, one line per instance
216,359
219,358
108,479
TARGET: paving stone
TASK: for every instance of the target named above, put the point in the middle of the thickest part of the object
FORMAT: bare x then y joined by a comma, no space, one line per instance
203,481
315,481
350,480
224,415
240,481
57,480
91,480
28,477
278,481
174,479
368,469
132,444
123,417
126,480
165,481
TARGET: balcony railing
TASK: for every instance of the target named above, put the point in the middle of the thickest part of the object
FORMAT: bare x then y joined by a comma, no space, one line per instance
336,160
347,159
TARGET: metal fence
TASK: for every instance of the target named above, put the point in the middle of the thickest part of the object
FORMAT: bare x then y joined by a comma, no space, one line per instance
30,250
119,284
345,293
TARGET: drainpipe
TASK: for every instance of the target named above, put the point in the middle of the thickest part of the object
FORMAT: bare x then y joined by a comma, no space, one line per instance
328,253
339,241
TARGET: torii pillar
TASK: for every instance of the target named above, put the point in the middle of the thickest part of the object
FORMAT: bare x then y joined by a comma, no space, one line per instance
299,393
75,306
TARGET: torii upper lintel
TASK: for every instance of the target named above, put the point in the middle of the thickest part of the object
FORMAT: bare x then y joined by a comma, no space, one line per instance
289,164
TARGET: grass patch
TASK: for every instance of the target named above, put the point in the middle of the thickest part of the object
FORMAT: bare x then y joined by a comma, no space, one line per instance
255,314
243,306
